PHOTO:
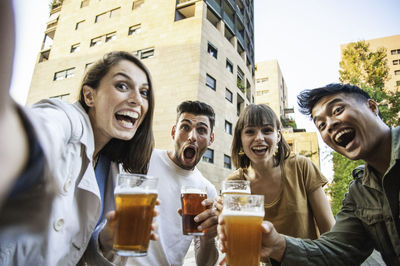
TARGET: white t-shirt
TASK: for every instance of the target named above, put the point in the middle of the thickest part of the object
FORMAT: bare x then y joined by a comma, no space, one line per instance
172,245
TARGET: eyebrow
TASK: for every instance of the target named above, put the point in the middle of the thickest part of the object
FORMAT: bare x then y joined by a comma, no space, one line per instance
190,122
329,105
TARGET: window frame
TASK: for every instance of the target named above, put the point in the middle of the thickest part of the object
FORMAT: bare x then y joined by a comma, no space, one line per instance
209,77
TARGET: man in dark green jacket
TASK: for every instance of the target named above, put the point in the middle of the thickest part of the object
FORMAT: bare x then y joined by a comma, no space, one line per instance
349,122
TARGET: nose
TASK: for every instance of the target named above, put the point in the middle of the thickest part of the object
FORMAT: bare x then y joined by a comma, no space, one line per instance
331,123
192,136
259,135
135,97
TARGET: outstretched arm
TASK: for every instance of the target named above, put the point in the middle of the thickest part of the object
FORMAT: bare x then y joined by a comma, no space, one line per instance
13,140
321,210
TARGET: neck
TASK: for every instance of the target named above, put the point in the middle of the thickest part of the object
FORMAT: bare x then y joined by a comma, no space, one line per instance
263,170
379,158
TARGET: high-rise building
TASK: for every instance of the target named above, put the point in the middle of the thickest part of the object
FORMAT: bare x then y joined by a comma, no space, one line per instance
272,90
195,50
392,45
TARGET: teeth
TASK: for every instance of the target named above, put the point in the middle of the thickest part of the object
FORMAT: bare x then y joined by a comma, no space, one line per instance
259,148
133,115
338,135
126,123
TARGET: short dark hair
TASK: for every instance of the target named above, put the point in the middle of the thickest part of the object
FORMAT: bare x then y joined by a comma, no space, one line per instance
196,108
133,154
256,115
307,99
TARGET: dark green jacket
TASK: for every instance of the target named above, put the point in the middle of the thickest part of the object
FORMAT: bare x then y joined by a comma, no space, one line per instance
365,222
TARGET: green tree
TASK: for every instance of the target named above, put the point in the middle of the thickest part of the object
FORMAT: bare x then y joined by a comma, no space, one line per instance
369,70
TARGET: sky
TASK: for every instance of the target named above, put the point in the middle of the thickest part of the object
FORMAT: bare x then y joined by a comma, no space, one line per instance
304,36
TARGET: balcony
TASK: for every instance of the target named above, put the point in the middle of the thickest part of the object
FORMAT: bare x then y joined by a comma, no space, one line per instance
215,6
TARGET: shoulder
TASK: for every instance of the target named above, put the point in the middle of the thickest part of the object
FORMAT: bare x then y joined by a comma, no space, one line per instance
358,172
237,174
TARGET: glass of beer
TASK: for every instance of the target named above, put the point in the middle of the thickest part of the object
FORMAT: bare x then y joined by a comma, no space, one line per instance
235,187
243,215
135,197
191,198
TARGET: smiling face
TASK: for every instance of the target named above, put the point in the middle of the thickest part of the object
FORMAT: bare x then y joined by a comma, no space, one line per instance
348,125
119,104
192,135
260,142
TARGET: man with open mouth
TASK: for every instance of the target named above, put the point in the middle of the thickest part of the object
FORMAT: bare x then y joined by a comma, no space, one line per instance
349,122
192,134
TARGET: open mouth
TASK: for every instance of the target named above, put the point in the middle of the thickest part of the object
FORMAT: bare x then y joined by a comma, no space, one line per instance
259,149
344,137
189,153
127,118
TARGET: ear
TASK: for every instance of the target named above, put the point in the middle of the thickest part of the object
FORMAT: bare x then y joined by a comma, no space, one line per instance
373,106
173,131
211,139
89,95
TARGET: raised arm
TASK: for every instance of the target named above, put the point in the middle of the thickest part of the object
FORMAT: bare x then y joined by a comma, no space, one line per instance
13,140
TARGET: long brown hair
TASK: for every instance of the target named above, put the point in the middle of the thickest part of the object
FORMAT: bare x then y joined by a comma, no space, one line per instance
133,154
256,115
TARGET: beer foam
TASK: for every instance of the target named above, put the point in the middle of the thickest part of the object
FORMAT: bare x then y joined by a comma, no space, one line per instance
134,190
241,213
193,191
236,191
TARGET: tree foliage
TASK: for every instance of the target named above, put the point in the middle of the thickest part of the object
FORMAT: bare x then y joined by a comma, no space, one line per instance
368,70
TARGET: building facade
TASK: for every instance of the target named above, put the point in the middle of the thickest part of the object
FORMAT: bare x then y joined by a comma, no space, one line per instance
195,50
271,89
392,45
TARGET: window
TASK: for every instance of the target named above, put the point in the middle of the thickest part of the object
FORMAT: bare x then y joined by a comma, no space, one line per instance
96,41
397,72
109,14
398,83
208,156
227,162
228,95
79,25
262,80
84,3
62,97
64,74
135,29
144,53
44,56
111,36
396,51
48,40
262,92
228,127
137,4
240,77
75,48
212,50
229,65
211,82
88,65
396,62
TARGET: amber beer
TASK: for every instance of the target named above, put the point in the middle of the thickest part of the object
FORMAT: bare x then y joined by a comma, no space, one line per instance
134,207
235,187
243,215
191,199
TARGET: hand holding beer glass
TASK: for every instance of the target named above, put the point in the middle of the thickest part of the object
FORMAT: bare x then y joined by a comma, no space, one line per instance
191,198
135,197
242,216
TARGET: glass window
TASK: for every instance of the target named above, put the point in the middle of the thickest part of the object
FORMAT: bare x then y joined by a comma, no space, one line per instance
63,74
147,53
75,48
135,29
111,36
228,95
211,82
96,41
398,83
227,162
397,72
69,73
208,156
229,65
137,4
212,50
396,62
228,127
79,25
84,3
101,17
